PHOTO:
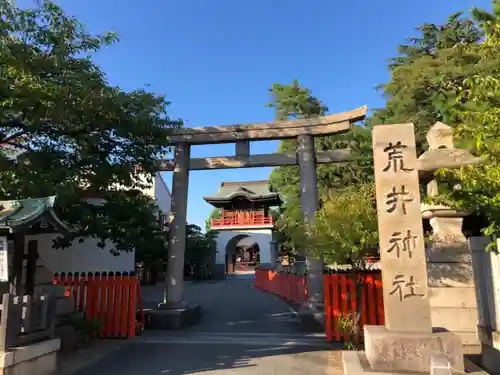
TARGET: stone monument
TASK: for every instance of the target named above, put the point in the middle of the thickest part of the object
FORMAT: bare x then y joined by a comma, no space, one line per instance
407,342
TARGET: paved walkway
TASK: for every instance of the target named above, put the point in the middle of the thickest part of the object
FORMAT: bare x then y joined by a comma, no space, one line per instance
244,331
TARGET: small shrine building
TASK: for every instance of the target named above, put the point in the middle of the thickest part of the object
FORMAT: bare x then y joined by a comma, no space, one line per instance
245,224
22,263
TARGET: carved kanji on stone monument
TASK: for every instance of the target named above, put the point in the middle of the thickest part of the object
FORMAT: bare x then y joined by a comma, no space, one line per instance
395,157
407,342
400,229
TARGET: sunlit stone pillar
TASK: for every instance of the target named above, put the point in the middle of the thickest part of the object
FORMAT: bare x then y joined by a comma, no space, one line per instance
175,275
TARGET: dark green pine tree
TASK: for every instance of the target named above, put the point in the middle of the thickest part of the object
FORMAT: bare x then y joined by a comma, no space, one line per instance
424,75
293,102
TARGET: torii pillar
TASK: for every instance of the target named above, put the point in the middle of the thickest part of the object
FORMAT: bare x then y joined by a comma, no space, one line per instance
310,204
174,312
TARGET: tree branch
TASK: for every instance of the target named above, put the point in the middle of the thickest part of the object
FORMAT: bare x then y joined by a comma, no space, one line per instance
16,145
13,136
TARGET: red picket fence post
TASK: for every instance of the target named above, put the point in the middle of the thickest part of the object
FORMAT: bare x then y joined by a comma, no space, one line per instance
339,296
289,287
111,297
341,300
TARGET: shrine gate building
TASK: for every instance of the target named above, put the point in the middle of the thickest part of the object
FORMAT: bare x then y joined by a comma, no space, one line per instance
245,224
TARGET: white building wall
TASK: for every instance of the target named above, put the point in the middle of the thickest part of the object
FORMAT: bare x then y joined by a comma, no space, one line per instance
262,237
149,190
87,256
81,257
162,194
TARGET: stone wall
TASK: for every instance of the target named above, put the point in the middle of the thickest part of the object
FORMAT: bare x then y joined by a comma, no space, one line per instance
36,359
453,295
487,277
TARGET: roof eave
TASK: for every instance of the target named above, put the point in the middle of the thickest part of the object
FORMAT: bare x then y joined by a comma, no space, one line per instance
276,201
45,210
242,194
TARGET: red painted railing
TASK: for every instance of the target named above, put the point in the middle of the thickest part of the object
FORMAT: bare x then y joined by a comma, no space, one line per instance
289,287
339,296
242,221
341,300
114,299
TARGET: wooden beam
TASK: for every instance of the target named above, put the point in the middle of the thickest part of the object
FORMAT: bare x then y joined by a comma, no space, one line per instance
254,161
242,148
18,264
324,125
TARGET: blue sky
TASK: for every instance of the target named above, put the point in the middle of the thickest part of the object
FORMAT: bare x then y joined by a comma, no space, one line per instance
215,59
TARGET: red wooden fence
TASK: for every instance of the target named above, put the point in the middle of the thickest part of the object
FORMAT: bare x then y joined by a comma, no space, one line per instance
340,301
289,287
339,296
114,298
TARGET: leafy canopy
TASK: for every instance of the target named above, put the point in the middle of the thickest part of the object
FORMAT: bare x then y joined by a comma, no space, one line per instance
426,79
417,91
295,101
216,213
345,229
448,73
480,123
200,247
79,135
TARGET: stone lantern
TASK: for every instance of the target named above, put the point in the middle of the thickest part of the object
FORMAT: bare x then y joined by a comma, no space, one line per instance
449,262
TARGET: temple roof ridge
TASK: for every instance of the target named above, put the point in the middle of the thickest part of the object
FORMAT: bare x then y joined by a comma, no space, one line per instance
22,213
238,183
250,190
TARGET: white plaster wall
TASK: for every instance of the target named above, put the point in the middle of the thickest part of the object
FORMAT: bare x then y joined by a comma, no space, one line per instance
81,257
87,256
162,194
149,190
262,237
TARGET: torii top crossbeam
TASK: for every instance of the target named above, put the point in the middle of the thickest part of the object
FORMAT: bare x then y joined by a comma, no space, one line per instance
303,130
317,126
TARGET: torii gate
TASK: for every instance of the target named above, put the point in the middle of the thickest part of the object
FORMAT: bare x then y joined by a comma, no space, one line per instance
303,130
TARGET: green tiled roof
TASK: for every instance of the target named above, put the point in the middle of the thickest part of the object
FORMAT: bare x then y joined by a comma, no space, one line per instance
22,212
253,190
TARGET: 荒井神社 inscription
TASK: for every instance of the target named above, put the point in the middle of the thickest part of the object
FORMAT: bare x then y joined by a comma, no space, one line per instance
404,287
395,160
402,242
398,197
401,234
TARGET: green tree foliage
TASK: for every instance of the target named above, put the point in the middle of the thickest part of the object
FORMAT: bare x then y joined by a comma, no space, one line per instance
345,229
346,232
427,77
80,136
200,249
294,101
215,214
448,73
152,252
480,122
416,91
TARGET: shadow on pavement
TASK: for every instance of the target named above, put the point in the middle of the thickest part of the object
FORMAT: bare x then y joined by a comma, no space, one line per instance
175,359
243,330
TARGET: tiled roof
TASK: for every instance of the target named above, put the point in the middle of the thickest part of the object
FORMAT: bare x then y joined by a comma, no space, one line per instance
248,189
22,212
